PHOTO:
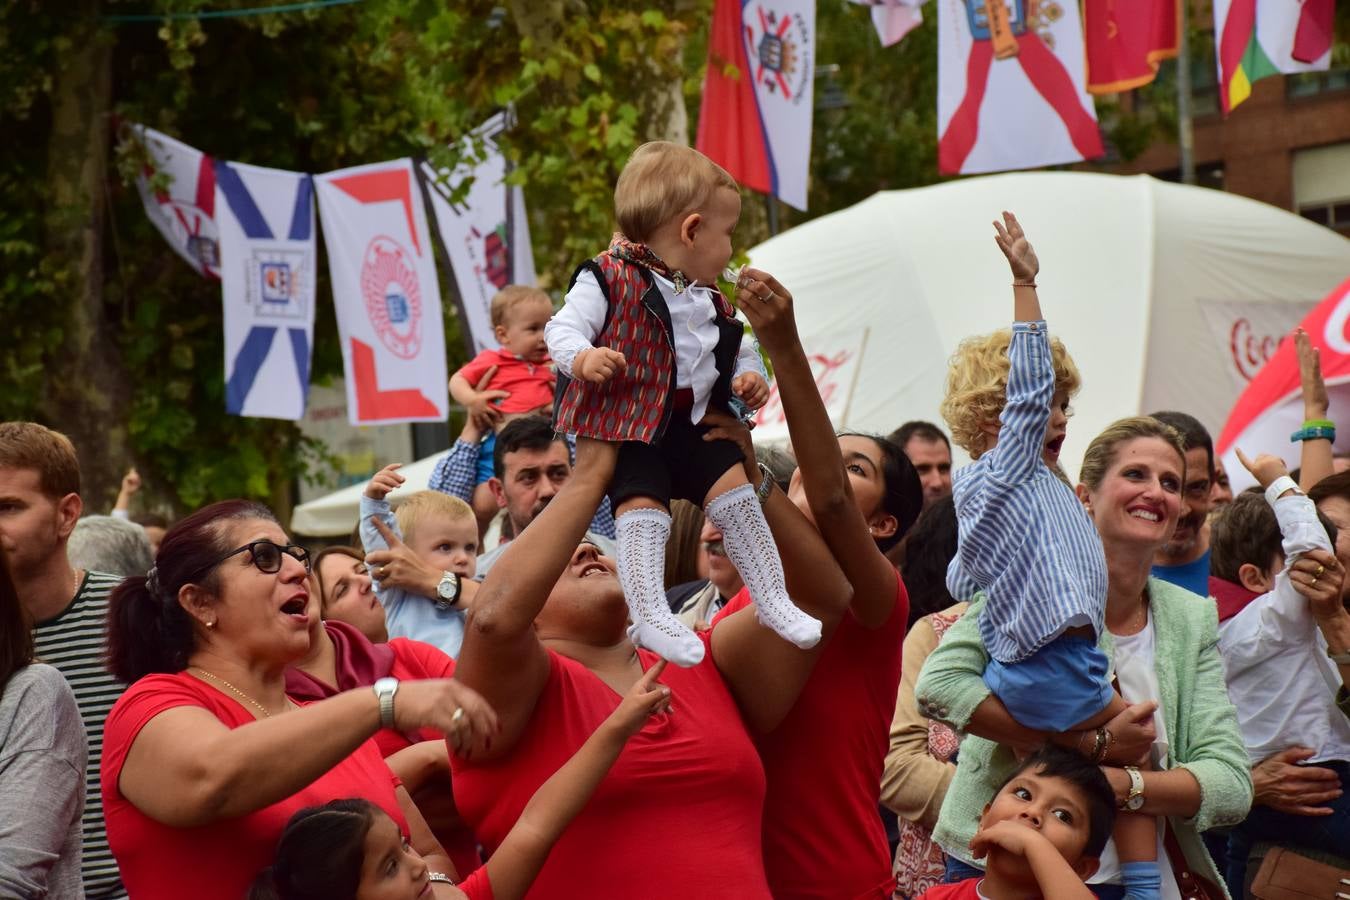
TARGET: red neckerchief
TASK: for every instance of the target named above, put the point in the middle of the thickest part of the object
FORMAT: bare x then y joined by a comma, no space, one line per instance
1230,596
622,248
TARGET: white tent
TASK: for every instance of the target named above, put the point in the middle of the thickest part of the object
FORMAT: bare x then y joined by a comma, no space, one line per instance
337,513
1167,296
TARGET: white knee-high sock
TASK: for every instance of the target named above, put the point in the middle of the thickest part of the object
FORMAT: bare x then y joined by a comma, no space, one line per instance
749,545
642,536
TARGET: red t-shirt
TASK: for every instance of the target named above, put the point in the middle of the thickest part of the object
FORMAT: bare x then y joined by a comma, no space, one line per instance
961,890
678,815
823,836
219,860
530,384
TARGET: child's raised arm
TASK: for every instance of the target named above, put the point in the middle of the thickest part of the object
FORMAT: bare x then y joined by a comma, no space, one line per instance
1025,266
512,869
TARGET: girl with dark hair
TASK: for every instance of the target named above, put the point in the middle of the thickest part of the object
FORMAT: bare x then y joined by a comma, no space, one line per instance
205,755
351,850
43,753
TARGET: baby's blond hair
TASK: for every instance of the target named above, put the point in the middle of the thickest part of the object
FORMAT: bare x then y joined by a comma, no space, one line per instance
511,296
418,506
977,385
661,181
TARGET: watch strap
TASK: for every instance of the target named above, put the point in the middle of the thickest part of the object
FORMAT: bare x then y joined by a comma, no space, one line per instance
385,689
765,485
1313,433
1133,800
1340,659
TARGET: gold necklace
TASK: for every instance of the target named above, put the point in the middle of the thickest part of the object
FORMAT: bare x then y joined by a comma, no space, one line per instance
256,705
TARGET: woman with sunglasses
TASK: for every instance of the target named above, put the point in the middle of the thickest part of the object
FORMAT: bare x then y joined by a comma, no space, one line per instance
205,756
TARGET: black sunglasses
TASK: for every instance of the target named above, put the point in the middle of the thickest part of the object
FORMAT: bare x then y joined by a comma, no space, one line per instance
267,555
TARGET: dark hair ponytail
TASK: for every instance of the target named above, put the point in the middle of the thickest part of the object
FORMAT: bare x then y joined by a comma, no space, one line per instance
320,854
148,631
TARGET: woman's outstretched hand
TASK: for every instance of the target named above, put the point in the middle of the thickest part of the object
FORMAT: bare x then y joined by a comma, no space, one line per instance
768,306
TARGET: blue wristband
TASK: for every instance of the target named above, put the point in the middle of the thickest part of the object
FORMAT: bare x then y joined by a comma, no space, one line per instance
1313,433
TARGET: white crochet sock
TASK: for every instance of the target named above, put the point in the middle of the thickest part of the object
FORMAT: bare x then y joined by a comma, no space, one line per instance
750,547
642,536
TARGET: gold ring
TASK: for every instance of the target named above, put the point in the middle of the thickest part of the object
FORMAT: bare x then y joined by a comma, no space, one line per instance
1320,569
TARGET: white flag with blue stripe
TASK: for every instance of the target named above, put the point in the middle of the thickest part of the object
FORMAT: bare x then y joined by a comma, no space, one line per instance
266,223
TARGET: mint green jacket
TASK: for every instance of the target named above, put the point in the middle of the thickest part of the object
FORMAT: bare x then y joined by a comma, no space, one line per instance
1202,729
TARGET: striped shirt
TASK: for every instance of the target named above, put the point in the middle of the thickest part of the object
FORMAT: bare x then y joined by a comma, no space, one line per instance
75,642
1024,538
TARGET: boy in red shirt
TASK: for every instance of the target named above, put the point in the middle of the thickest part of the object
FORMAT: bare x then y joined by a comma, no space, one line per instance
1042,833
519,378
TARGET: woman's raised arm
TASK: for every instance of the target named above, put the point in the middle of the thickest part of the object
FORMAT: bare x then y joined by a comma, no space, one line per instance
768,306
502,657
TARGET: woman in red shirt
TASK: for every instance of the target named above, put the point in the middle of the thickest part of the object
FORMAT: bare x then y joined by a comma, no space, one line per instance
824,761
205,757
546,643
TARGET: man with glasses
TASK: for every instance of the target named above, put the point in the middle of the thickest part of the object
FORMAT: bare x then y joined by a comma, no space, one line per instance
39,506
1184,559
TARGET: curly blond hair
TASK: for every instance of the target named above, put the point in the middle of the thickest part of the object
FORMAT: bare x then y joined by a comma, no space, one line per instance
977,385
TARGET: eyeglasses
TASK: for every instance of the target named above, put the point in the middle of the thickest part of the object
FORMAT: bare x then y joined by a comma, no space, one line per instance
267,555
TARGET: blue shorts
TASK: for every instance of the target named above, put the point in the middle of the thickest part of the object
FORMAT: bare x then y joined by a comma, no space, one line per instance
1055,688
485,451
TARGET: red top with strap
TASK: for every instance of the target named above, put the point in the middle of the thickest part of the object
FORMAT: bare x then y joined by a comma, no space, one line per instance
678,816
823,766
477,886
220,860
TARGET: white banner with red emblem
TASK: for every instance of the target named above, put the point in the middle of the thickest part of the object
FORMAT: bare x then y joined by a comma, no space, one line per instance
177,185
1271,408
483,229
780,47
384,288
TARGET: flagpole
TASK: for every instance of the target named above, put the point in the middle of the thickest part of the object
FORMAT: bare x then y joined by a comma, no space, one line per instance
1185,134
771,203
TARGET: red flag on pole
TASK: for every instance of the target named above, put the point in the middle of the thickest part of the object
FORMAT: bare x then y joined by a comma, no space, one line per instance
1126,41
729,130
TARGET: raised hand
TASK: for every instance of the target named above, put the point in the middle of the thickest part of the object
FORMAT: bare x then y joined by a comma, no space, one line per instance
1015,246
399,567
645,699
598,364
768,307
1266,469
384,481
449,706
1315,402
751,388
131,482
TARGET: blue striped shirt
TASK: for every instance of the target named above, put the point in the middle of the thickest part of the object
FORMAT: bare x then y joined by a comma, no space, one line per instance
1024,538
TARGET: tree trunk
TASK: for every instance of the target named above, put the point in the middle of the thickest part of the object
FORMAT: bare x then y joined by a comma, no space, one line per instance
86,384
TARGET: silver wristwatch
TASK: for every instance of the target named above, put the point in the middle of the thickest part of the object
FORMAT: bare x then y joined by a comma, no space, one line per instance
385,689
447,592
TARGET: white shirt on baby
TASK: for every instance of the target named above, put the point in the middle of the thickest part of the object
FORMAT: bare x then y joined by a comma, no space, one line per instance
692,315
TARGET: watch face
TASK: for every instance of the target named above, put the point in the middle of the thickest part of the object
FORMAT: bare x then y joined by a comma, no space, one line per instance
1135,803
446,589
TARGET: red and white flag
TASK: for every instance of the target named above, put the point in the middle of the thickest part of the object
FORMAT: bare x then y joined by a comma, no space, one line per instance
385,291
1127,40
1011,90
184,209
1271,408
755,120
